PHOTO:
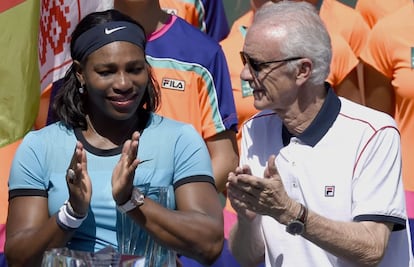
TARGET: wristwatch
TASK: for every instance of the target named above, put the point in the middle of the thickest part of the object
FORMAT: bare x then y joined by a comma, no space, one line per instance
297,226
137,199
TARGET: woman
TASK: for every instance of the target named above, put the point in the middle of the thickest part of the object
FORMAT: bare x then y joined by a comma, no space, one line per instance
389,77
60,197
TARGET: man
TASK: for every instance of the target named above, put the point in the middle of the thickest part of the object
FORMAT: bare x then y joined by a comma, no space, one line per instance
331,192
342,77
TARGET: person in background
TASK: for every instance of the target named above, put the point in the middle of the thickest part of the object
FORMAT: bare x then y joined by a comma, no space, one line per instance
232,45
319,182
389,76
344,75
372,11
6,154
344,20
347,22
69,178
194,80
207,15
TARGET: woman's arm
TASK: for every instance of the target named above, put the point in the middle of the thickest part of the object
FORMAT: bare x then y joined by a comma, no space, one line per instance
349,87
28,220
224,156
379,93
30,231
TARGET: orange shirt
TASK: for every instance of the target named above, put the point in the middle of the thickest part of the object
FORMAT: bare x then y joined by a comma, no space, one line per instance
187,11
6,156
346,21
343,60
393,56
207,15
44,106
193,78
242,91
373,10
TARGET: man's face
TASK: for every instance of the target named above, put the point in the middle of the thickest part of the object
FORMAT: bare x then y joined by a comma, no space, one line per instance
266,68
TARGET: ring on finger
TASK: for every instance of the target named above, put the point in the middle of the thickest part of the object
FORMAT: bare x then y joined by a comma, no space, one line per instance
71,175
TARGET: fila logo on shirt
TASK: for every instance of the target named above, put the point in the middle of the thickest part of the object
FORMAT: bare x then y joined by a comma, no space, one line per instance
329,191
173,84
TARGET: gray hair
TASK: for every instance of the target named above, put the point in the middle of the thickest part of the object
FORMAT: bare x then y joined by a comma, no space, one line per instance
306,34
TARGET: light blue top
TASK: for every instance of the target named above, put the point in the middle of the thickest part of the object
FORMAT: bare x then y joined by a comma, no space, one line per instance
175,152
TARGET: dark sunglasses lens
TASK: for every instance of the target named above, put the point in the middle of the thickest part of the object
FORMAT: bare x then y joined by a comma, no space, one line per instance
254,65
243,58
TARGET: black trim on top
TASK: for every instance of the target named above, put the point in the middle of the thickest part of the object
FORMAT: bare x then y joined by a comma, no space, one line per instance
94,150
399,223
195,178
323,120
27,193
145,118
286,135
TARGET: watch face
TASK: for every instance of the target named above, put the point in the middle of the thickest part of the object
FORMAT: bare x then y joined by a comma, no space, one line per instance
295,227
137,197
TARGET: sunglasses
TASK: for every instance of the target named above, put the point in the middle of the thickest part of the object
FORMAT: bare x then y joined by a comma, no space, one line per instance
256,66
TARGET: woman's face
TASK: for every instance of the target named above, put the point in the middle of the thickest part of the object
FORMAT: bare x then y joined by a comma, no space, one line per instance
115,79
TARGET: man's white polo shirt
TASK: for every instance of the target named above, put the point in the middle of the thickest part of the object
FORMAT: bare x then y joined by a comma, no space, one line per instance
345,166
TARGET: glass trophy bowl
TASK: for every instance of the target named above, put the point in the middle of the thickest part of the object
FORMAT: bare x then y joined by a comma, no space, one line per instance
134,240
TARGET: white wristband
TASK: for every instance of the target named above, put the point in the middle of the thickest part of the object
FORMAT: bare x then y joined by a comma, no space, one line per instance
72,212
67,220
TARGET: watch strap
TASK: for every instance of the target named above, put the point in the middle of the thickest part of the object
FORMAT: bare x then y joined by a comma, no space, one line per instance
303,214
137,199
297,226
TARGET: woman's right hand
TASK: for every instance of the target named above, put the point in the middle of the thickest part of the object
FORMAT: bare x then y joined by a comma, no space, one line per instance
79,182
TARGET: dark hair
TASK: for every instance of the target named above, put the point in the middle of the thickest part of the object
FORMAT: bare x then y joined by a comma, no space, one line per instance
68,105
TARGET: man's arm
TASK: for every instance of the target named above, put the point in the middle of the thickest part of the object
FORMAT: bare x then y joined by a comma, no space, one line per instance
246,242
363,243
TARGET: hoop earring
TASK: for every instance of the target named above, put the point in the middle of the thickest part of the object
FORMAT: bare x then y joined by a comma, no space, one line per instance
81,90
